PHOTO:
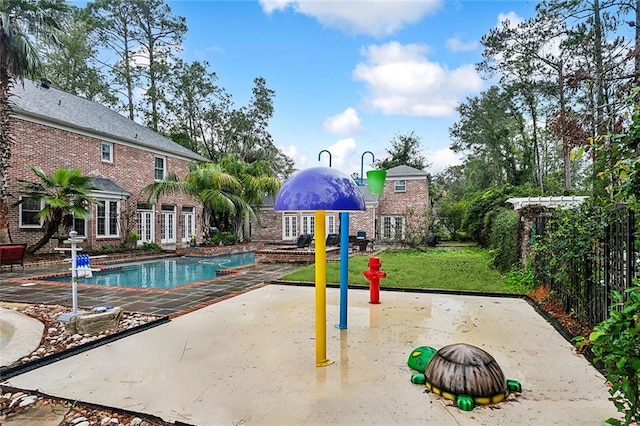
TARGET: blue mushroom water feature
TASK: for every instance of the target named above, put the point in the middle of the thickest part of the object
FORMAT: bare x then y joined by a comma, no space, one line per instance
319,189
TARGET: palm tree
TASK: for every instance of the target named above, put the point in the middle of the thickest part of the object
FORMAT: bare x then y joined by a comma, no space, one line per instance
229,191
217,191
19,19
65,195
258,181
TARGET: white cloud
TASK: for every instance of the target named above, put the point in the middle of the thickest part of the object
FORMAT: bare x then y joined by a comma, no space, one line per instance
299,158
341,151
402,81
512,17
442,159
455,44
373,17
345,123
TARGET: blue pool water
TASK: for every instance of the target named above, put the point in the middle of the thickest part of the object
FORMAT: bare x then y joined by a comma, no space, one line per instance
164,273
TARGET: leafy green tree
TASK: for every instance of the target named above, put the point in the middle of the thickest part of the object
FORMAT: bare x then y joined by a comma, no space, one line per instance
599,67
197,103
531,59
621,179
258,181
218,191
160,35
71,63
65,195
20,22
451,215
483,208
114,22
491,131
405,149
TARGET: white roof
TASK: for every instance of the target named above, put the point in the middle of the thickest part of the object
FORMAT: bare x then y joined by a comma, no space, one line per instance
551,202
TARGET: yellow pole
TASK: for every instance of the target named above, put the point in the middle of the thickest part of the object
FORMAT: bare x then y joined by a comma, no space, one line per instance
321,290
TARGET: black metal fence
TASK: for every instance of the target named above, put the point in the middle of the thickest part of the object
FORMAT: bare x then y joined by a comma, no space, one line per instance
612,266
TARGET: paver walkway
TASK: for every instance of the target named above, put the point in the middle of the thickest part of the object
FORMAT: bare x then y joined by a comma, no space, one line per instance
17,287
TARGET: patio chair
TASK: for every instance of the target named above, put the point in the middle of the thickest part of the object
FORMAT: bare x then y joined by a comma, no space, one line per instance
12,254
304,240
333,240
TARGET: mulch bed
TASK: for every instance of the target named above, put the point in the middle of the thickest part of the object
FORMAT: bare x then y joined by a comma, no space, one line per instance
550,303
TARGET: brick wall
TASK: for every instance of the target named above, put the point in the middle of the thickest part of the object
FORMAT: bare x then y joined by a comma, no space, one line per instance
269,227
414,200
50,148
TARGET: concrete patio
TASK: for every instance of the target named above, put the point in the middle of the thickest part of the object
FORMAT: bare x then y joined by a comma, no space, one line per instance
250,359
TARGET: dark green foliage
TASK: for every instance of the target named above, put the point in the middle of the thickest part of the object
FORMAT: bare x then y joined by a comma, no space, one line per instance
568,243
616,342
521,280
405,150
504,240
569,239
150,247
482,210
224,238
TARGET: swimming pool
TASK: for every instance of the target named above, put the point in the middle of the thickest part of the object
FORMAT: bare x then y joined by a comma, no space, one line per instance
164,273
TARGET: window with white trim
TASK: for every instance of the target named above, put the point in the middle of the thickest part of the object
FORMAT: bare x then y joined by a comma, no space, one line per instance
393,228
107,152
160,169
146,224
331,223
308,224
29,208
289,226
107,218
400,185
80,226
188,223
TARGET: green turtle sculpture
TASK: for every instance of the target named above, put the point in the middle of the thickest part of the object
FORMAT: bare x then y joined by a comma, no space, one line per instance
463,373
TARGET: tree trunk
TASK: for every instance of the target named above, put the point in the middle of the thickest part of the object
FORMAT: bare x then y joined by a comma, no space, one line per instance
4,223
50,229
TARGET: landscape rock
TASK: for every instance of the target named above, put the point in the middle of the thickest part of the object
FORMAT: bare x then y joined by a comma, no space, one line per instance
94,323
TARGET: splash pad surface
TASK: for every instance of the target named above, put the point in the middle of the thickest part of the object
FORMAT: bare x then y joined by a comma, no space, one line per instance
251,358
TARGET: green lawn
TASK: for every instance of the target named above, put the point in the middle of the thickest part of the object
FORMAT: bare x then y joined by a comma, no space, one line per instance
458,269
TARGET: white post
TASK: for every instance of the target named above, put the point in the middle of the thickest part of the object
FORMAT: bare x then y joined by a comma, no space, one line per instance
74,272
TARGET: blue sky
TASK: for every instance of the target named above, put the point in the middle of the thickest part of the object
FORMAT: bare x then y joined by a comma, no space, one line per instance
349,75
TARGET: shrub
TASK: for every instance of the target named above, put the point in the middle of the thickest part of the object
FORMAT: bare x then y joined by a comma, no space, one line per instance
481,212
521,280
150,247
224,238
568,242
616,343
504,240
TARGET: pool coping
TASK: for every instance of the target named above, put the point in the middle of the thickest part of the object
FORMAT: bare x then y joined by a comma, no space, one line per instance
221,273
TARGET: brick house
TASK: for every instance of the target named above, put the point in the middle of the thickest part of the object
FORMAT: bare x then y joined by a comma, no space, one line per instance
402,204
55,129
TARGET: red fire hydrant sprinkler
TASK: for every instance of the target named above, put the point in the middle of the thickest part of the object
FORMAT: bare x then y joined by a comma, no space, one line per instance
373,275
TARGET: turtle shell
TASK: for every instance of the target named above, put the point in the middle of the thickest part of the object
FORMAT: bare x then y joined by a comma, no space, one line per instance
462,369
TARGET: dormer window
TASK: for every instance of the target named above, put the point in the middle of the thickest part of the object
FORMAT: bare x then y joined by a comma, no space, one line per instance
107,152
400,185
